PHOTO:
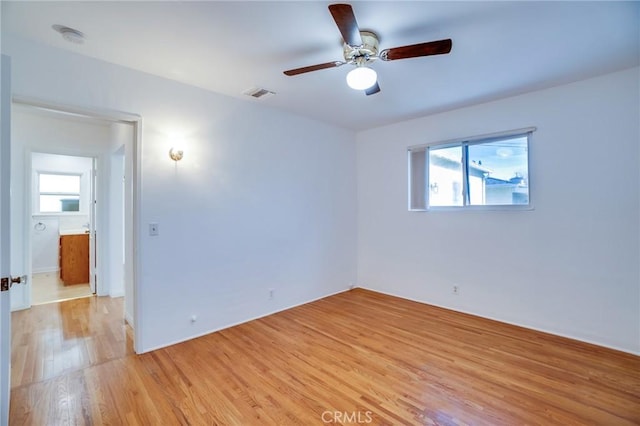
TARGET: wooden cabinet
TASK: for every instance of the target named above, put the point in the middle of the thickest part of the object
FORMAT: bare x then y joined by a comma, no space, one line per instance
74,259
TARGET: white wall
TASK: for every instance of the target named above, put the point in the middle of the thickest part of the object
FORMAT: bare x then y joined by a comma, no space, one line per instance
262,199
570,266
44,244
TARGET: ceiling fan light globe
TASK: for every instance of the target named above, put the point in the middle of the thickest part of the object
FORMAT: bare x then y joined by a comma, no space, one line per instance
361,78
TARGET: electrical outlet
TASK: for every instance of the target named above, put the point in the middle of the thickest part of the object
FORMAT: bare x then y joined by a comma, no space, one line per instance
154,229
456,290
194,318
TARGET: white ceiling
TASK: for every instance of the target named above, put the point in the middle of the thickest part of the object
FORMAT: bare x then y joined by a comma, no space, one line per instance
499,48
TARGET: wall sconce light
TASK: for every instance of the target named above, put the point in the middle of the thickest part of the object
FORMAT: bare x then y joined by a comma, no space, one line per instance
176,154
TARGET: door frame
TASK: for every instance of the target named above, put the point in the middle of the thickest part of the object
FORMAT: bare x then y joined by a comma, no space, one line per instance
93,246
136,121
30,184
5,243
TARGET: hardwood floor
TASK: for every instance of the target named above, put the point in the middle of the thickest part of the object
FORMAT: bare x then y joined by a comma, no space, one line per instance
58,338
47,287
354,358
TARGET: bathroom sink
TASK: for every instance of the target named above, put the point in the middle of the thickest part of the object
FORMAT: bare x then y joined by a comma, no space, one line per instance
74,231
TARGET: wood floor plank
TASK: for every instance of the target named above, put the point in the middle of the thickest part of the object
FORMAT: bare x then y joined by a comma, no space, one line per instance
56,338
357,357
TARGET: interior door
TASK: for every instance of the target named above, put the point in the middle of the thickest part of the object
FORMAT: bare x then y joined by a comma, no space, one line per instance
5,259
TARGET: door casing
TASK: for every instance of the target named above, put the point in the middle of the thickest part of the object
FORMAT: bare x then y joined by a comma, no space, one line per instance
135,164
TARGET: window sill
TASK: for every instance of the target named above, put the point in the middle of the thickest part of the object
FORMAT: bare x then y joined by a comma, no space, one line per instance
528,207
53,214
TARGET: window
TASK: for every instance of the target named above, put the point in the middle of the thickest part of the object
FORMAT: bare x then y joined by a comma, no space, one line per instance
59,193
484,171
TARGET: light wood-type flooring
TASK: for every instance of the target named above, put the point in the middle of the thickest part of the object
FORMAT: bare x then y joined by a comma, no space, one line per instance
47,287
354,358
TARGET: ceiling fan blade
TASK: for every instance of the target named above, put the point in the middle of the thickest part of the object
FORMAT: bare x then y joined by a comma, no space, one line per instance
415,50
373,89
346,22
302,70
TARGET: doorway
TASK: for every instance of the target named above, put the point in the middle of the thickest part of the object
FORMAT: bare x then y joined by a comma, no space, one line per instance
63,249
109,144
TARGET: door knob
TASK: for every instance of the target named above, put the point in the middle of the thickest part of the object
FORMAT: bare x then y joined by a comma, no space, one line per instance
7,283
18,280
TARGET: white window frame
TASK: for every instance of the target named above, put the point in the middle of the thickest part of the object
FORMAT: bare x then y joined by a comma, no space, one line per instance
39,194
418,183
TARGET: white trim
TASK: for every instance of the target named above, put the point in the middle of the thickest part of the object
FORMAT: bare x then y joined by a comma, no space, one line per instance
28,209
129,320
112,116
488,207
80,111
5,230
57,214
137,233
44,270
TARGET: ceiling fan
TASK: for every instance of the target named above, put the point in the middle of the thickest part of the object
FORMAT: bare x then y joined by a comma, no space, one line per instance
361,50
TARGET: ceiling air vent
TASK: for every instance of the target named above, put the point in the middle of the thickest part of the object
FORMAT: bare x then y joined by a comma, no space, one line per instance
258,93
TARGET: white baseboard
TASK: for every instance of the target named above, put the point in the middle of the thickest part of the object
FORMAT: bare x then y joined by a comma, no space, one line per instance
195,336
44,270
129,319
514,323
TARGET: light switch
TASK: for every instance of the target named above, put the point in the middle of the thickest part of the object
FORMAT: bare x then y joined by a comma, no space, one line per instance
154,229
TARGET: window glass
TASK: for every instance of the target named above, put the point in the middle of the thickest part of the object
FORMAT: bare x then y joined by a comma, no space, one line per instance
59,203
60,184
498,172
59,193
445,176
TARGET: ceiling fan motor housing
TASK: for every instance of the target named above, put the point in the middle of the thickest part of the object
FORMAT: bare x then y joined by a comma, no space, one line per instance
360,55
